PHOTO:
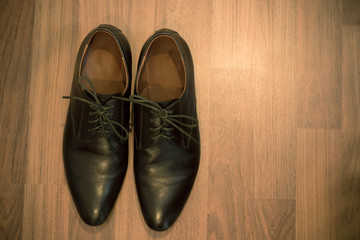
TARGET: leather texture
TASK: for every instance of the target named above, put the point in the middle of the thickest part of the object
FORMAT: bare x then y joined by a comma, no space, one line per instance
165,169
94,171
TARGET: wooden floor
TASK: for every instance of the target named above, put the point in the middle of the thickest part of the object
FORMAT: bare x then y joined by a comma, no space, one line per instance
278,88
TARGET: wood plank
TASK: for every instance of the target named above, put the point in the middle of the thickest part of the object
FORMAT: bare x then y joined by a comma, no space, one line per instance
252,91
258,38
318,73
16,29
275,105
349,216
351,12
45,215
231,169
11,211
53,58
270,219
232,34
317,183
16,19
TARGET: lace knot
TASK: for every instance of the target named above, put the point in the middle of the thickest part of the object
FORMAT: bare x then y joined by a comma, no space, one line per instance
169,121
102,114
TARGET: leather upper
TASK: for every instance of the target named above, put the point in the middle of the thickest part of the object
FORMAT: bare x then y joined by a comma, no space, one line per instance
94,170
165,167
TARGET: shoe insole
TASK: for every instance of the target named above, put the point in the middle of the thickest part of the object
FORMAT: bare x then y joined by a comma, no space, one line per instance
103,64
162,76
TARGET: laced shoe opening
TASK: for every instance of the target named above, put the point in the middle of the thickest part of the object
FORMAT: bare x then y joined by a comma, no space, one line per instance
162,74
104,64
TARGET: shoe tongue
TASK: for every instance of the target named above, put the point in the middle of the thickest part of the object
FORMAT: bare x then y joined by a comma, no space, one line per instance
104,98
165,104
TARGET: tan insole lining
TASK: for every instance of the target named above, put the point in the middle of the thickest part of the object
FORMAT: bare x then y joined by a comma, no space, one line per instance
104,65
162,77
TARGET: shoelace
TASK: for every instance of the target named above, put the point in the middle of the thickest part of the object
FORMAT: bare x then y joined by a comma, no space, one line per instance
103,116
166,116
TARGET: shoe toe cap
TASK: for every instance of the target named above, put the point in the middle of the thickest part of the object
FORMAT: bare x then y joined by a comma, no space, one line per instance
163,187
161,205
94,183
94,215
94,202
160,221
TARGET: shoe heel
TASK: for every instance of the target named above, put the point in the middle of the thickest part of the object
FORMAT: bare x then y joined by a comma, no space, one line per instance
166,31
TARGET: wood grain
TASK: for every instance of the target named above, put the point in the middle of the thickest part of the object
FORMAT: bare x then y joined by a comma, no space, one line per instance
270,219
318,73
265,73
351,12
16,19
15,41
11,211
274,106
44,215
278,96
230,162
52,70
349,197
317,183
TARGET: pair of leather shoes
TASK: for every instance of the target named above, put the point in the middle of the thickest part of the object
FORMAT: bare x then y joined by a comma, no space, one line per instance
167,141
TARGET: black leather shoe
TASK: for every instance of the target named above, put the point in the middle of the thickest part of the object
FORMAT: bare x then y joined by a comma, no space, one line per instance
167,137
95,143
